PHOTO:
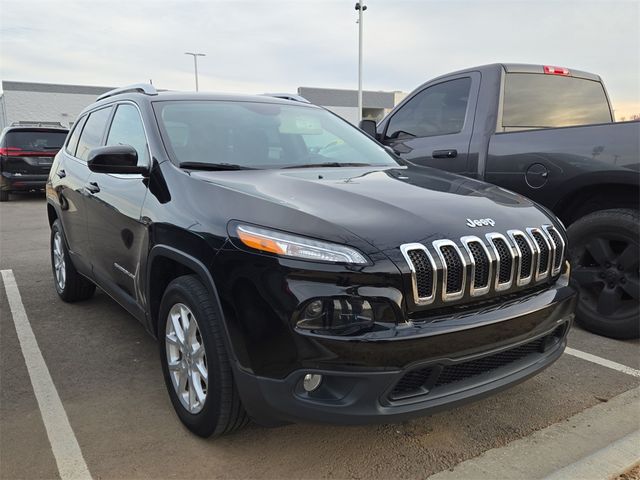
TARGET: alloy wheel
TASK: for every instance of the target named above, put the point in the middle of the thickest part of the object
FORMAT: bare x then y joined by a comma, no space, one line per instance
59,265
186,358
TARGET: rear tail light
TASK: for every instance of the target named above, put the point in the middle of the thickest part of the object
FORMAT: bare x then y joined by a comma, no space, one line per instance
18,152
556,70
11,151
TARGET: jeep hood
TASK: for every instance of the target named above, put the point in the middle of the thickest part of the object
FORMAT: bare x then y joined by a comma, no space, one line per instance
383,206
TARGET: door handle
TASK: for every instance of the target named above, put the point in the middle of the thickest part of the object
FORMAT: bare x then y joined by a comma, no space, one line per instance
449,153
61,174
92,187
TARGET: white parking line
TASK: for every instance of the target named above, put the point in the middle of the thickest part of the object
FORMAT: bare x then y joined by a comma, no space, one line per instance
71,464
603,361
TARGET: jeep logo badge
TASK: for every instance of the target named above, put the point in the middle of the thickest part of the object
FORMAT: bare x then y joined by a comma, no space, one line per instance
481,222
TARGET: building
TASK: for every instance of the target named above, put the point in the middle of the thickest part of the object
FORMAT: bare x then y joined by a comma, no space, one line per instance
375,105
44,102
47,102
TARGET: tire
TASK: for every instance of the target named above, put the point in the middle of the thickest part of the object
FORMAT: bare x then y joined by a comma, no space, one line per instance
215,408
604,248
70,285
4,196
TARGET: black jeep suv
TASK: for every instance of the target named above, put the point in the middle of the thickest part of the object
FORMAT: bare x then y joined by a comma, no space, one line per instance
26,154
293,269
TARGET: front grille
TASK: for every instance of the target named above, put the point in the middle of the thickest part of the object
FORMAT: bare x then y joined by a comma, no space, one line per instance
495,263
438,377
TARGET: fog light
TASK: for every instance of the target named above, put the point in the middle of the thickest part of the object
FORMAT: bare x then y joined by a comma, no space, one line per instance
311,381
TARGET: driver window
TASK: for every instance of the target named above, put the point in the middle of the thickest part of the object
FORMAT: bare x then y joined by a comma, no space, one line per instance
126,129
436,110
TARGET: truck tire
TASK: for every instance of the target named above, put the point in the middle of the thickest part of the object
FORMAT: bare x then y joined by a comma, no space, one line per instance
604,249
70,285
197,372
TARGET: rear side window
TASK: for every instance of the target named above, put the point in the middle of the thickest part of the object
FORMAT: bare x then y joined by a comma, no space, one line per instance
36,140
92,132
126,129
436,110
72,144
542,101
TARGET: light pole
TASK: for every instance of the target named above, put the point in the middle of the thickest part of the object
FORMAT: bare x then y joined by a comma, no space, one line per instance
360,7
195,63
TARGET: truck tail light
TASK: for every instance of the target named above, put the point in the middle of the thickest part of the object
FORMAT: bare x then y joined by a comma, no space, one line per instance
548,69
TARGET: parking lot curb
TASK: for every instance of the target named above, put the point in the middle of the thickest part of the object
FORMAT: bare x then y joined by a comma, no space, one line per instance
598,443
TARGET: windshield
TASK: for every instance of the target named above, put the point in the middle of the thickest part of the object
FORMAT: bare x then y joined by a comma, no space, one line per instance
36,140
262,135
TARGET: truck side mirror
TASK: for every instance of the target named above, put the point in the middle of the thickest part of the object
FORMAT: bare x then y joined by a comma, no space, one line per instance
368,127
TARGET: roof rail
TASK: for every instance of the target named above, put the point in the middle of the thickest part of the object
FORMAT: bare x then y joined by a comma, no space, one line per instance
145,88
29,123
287,96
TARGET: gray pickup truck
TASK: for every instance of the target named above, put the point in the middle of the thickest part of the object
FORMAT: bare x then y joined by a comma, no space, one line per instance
547,133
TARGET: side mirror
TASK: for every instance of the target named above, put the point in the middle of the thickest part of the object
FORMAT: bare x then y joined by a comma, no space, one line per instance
115,159
368,127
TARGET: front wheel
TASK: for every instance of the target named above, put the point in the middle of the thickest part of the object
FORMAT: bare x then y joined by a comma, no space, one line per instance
604,249
195,363
70,285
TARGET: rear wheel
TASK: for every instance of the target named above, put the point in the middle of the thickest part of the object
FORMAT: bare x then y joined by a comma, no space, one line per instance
70,285
195,362
605,253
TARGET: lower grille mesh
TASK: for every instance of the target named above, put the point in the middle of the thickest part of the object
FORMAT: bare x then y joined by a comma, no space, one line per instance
422,381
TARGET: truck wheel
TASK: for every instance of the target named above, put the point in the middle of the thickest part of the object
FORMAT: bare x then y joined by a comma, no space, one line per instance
195,362
604,249
4,196
70,285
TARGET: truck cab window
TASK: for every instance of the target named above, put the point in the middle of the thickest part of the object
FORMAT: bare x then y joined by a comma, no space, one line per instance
436,110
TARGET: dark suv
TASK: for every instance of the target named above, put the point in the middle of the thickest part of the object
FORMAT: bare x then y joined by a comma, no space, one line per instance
26,154
293,269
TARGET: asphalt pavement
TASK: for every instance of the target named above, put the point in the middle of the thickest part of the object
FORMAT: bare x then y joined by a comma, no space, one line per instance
107,374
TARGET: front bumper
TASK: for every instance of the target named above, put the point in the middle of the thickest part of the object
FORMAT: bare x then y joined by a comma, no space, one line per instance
444,363
15,183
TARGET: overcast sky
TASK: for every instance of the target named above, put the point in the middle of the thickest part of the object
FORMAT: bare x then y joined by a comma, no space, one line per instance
258,46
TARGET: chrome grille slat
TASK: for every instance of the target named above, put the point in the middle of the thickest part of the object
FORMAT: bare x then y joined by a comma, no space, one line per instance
541,243
525,258
476,290
406,250
558,248
449,270
495,239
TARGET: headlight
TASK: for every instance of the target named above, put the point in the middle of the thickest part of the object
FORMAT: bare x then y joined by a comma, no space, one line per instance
298,247
337,316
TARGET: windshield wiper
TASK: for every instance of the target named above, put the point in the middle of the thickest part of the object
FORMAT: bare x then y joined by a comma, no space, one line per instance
328,164
213,166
